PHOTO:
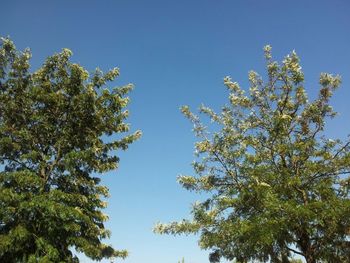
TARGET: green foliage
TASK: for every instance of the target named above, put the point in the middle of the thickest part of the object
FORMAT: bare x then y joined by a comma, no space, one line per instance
51,126
276,186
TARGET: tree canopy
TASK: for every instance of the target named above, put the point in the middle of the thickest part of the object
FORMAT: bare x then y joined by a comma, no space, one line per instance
276,186
55,125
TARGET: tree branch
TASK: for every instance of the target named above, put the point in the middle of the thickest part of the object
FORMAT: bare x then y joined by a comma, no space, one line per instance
295,251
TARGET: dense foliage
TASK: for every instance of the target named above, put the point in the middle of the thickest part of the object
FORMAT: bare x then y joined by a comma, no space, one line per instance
53,129
277,187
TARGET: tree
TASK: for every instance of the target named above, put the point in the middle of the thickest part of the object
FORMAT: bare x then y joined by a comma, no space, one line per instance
276,186
54,128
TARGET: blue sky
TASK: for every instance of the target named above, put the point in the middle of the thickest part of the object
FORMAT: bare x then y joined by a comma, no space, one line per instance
176,53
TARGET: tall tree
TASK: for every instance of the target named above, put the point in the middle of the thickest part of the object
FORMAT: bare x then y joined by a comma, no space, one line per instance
54,128
277,187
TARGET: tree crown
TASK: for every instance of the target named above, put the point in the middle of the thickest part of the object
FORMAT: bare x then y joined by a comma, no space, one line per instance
277,186
53,125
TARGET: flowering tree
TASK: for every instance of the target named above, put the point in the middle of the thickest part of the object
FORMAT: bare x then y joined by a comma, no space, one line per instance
277,187
51,127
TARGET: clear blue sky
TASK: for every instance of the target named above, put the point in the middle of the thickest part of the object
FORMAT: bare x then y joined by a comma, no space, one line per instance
176,53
